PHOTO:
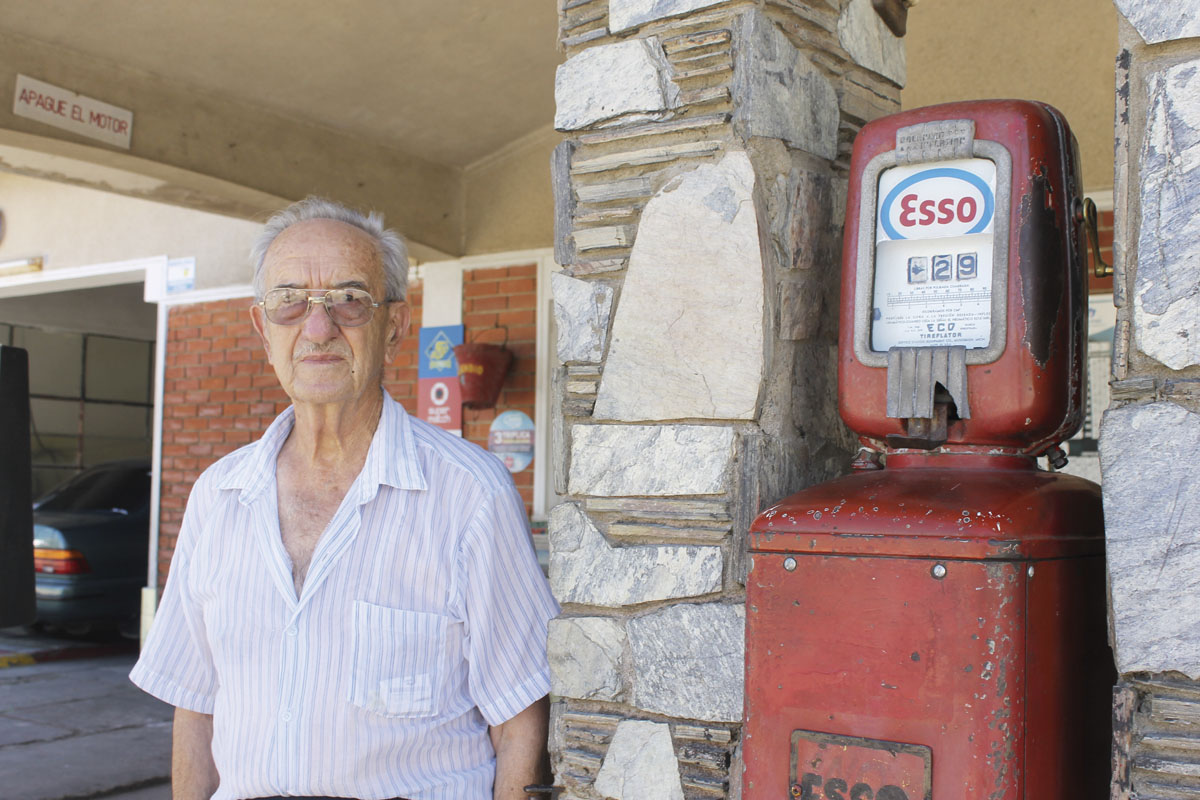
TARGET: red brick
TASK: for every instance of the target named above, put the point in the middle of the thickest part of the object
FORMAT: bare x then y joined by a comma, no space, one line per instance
487,303
523,271
480,288
511,286
481,319
511,318
527,300
494,273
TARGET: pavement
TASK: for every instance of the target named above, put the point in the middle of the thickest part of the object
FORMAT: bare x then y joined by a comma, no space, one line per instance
72,726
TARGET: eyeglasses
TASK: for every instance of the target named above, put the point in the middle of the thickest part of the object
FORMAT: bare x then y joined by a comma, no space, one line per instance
348,308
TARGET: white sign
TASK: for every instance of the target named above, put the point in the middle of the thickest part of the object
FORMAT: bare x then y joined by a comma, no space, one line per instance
181,275
72,112
933,255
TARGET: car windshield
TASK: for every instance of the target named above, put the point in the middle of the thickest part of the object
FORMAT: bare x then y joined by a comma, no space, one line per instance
121,489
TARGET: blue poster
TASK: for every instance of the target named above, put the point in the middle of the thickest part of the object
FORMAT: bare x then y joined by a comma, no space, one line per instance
437,351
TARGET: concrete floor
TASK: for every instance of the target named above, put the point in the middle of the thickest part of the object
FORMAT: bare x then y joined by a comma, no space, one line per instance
77,728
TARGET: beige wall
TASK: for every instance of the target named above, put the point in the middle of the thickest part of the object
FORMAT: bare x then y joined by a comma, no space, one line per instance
73,226
1058,51
509,202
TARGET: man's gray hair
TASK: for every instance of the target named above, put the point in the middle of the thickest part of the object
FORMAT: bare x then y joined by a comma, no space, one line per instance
392,252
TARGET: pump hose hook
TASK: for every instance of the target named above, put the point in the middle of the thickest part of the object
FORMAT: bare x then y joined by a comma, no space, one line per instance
1102,268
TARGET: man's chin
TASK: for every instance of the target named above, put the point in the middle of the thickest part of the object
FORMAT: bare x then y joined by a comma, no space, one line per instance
322,393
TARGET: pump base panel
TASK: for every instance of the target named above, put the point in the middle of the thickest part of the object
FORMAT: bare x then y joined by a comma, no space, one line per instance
957,661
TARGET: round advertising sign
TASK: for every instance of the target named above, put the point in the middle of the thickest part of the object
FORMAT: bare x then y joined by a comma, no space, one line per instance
511,439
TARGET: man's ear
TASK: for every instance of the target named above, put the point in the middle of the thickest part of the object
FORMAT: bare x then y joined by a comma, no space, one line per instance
259,321
399,317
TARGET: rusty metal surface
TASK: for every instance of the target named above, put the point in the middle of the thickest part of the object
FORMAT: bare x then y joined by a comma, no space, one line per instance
1031,397
940,505
880,648
983,665
935,603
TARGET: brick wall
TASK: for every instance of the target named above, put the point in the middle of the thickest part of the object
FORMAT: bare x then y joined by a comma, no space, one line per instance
220,393
505,298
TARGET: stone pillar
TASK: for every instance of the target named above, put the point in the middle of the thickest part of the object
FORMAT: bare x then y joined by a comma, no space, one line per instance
1150,438
699,191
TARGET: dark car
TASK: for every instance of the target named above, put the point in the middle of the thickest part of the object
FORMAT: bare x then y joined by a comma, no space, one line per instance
90,540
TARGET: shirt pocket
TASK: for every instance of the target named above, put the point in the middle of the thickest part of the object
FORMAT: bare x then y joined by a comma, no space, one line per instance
398,666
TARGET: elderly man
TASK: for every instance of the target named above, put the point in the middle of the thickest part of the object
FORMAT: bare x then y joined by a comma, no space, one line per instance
354,608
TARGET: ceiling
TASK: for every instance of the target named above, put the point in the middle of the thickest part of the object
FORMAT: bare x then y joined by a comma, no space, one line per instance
449,81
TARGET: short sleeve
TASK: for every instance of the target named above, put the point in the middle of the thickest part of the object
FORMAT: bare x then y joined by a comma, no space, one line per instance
508,606
176,664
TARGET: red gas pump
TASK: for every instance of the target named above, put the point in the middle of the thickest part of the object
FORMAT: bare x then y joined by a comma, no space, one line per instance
934,624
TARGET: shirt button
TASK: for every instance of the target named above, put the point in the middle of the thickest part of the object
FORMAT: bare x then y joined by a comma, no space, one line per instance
286,716
291,631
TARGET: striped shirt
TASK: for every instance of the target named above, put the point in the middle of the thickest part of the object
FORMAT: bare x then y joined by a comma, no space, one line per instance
422,620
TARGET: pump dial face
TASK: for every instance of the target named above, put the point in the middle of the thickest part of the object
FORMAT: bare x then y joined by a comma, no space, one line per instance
934,234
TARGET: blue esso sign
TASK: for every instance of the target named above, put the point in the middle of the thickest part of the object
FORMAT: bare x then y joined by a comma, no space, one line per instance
934,228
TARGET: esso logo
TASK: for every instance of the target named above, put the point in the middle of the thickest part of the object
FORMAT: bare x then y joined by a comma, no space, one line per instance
937,202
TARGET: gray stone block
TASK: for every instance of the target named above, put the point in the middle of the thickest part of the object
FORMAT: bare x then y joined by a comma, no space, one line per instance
640,460
863,34
581,310
585,658
778,93
640,764
609,80
688,661
1166,302
626,14
1162,20
586,569
564,202
1152,521
687,339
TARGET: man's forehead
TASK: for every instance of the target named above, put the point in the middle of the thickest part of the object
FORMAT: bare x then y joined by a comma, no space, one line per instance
324,244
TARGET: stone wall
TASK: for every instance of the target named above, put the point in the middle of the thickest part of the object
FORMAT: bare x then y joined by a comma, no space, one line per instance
699,195
1150,437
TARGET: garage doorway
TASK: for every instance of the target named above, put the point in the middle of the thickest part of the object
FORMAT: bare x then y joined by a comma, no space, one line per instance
91,392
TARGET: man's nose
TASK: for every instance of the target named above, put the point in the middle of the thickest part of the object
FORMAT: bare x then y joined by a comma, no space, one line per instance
318,325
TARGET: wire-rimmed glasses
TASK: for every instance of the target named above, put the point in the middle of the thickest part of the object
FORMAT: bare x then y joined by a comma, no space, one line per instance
348,307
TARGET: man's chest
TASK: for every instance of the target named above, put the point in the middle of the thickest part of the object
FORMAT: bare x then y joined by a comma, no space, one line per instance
390,551
304,514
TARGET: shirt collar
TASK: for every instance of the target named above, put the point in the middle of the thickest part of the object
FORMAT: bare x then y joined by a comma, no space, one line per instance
391,458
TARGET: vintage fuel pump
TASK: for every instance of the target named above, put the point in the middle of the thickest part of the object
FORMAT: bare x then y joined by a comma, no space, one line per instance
934,623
